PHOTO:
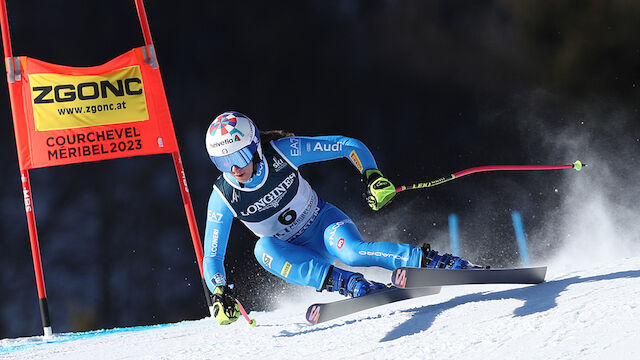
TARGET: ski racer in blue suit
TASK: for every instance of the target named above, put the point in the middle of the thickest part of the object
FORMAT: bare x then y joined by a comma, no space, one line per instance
300,235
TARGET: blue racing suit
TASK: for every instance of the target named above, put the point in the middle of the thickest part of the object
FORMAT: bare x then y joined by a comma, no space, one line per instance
300,234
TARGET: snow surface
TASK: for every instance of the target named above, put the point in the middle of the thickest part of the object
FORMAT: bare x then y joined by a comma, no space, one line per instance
590,312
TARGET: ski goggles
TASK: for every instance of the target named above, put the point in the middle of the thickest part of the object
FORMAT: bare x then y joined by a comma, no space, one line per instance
240,158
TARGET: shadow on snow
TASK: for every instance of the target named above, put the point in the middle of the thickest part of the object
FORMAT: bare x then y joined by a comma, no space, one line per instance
537,299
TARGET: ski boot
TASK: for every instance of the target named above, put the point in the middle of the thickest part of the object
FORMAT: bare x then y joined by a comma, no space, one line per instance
348,283
431,259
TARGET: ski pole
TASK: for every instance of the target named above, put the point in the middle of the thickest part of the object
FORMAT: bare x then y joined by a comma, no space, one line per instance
576,165
252,322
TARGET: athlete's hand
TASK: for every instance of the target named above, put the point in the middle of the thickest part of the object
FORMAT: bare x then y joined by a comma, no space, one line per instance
225,308
379,189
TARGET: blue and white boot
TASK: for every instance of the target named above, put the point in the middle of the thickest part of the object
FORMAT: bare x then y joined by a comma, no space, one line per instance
431,259
349,283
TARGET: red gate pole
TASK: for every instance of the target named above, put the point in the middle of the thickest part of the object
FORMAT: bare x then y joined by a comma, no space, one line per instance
193,226
10,64
177,162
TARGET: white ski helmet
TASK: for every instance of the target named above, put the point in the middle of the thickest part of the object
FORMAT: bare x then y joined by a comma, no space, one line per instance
232,139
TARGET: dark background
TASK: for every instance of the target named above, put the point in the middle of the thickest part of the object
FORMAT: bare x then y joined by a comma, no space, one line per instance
432,87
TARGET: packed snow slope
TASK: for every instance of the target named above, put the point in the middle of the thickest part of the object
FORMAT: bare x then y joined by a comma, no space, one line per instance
591,312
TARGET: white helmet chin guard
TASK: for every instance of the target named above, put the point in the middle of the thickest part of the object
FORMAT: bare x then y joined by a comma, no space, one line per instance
232,139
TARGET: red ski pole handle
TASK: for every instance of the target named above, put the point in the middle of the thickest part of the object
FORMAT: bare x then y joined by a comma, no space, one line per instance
576,165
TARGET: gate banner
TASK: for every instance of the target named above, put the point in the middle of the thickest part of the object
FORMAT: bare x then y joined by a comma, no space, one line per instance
64,115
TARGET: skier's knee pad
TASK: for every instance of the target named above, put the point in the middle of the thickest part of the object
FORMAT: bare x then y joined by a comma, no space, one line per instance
293,263
341,239
264,251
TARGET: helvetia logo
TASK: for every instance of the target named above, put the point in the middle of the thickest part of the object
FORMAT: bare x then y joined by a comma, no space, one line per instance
224,129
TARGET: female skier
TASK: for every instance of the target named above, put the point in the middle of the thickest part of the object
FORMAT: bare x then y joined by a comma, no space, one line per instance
300,235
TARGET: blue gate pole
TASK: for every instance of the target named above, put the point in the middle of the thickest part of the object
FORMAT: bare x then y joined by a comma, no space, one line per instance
453,234
520,236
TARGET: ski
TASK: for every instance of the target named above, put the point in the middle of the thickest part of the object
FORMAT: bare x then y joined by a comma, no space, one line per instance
408,277
318,313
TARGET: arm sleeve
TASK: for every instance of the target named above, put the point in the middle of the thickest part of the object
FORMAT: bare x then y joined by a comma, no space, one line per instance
302,150
216,237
